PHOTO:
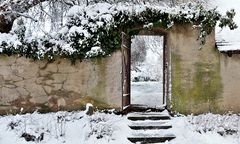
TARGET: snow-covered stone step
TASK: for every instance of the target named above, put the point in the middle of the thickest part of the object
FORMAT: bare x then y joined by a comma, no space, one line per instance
153,132
135,127
144,108
149,125
137,117
144,138
150,122
148,113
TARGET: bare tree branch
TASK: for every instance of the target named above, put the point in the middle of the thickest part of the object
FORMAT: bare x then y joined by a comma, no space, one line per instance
12,9
19,14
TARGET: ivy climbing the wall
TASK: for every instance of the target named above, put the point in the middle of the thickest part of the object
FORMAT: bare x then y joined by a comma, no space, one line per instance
94,30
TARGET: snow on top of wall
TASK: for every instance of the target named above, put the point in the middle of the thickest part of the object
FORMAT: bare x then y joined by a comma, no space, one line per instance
100,13
228,39
74,9
9,39
95,51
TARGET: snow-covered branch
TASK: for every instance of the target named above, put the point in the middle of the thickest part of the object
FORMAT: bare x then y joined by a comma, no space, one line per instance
19,14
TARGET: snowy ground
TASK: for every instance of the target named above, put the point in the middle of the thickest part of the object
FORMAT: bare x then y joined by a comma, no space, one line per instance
64,128
206,129
147,93
76,127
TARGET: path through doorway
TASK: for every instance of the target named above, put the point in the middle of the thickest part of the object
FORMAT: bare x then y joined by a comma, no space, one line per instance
147,70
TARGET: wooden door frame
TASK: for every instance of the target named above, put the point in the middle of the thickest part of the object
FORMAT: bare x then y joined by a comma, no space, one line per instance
126,66
126,73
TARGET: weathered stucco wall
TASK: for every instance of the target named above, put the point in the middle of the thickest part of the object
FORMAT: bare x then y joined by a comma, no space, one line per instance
59,85
202,80
230,73
197,85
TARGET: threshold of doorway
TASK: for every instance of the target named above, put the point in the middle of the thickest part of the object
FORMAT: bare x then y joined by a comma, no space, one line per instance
143,108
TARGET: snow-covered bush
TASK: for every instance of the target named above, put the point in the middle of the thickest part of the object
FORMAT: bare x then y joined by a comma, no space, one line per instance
95,51
100,128
99,26
222,124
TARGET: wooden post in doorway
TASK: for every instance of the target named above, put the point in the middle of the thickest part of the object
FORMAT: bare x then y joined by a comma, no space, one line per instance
126,76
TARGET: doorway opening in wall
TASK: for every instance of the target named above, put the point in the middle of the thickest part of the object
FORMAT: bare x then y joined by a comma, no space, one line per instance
147,71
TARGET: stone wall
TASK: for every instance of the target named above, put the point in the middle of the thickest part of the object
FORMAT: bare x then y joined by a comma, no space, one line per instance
230,73
197,85
43,86
203,80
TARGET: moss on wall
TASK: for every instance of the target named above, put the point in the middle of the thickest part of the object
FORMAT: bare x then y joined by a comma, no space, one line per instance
197,94
100,68
179,99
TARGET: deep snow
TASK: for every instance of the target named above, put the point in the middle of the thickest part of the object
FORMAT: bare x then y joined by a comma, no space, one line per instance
64,127
100,128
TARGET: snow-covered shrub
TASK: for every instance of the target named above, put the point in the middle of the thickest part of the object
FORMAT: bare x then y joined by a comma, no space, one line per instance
100,127
222,124
95,51
100,25
20,29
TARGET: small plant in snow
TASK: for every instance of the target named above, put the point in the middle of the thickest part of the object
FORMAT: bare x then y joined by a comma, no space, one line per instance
12,125
222,124
60,125
100,127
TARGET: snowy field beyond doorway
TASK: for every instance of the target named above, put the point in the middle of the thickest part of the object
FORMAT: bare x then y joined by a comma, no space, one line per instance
147,93
147,70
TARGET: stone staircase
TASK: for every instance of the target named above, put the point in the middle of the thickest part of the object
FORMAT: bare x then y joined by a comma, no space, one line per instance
150,127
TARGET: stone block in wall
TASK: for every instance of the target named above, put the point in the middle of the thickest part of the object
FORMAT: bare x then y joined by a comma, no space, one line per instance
7,95
59,78
47,89
39,100
23,92
29,71
6,61
1,81
48,67
5,71
62,69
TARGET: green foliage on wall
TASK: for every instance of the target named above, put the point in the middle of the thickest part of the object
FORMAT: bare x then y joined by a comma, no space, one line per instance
100,35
